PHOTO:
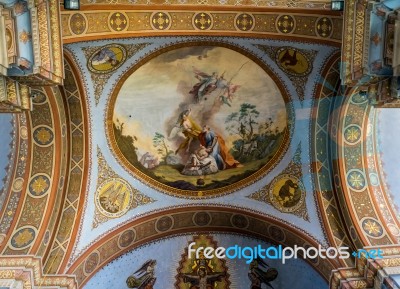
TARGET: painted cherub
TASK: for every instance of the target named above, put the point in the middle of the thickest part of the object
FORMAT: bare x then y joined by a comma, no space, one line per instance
195,159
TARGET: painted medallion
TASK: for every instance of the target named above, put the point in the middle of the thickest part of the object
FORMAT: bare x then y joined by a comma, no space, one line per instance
113,197
287,193
293,61
198,121
107,58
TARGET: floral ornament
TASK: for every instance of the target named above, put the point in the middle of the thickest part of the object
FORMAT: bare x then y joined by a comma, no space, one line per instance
356,180
25,37
376,39
352,134
39,185
353,156
43,136
372,228
24,237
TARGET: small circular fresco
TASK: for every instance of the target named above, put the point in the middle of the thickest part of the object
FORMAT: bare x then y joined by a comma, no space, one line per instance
107,58
43,136
23,237
287,193
199,121
39,186
113,198
293,61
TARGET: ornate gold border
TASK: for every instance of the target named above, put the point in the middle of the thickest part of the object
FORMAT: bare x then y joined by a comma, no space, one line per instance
94,23
184,193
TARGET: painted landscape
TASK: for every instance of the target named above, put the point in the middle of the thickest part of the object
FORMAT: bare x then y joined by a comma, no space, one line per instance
199,118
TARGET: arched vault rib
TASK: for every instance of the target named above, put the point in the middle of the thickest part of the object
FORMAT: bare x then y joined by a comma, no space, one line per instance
123,21
192,220
368,214
355,210
68,220
321,151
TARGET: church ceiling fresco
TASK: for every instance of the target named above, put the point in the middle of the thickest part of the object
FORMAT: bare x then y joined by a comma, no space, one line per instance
166,137
286,191
211,127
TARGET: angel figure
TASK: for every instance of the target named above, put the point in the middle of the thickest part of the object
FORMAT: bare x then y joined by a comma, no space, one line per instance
207,84
189,128
227,89
143,278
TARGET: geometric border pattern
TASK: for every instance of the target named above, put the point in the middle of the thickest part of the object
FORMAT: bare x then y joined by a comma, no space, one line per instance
34,213
58,251
351,171
110,23
138,4
322,156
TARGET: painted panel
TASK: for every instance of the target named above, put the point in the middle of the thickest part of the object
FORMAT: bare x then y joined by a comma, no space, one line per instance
214,125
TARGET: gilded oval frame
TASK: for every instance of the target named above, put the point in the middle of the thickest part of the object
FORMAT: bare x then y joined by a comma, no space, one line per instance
200,194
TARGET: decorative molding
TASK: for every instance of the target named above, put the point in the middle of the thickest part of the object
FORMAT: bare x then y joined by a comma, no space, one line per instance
26,272
330,209
369,273
99,24
260,4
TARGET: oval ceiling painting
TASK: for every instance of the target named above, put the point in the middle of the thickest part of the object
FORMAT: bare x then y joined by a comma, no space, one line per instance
198,121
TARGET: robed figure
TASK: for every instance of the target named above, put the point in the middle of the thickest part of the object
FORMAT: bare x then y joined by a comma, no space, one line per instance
216,147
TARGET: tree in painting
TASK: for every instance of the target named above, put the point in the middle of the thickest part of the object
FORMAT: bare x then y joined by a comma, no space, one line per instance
242,124
253,140
163,149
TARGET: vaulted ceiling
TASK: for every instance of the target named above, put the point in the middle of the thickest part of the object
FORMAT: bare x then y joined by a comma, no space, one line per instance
316,164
